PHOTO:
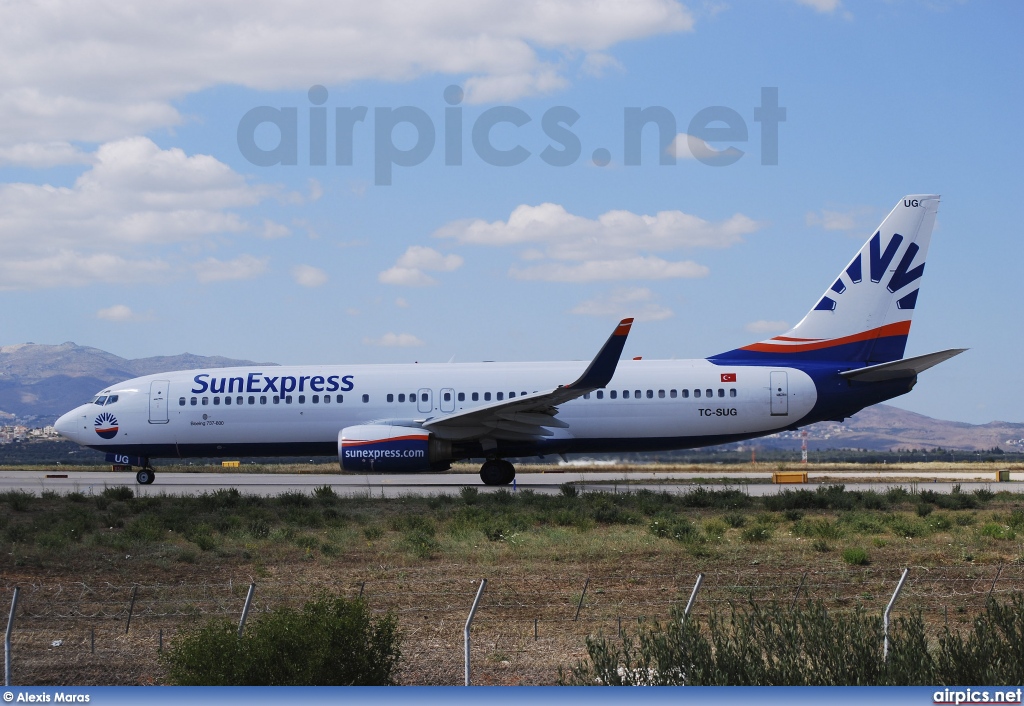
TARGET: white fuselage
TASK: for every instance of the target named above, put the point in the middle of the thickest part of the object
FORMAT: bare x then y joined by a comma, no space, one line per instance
270,410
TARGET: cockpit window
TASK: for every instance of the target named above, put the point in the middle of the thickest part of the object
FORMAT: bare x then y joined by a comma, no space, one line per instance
112,399
100,400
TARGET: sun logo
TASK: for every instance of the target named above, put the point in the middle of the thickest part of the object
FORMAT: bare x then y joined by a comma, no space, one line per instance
106,425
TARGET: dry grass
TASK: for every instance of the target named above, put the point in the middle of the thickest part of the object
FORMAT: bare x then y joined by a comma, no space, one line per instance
535,573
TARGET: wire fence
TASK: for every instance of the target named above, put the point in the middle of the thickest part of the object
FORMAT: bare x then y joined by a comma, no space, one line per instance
526,626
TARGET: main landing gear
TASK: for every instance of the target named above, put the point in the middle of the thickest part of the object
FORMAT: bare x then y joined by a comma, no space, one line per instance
497,471
145,476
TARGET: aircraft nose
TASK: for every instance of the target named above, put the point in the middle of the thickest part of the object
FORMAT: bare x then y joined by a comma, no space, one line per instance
70,424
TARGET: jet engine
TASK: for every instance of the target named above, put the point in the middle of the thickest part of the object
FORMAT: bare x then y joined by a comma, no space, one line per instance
387,448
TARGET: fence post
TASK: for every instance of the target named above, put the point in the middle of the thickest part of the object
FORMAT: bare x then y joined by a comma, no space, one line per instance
993,586
693,595
245,608
888,610
7,638
582,596
798,589
469,622
131,607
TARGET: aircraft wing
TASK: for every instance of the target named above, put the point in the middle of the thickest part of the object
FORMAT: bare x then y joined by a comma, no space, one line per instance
908,367
533,415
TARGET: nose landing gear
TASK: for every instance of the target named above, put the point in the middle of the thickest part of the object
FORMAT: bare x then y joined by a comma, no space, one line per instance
497,471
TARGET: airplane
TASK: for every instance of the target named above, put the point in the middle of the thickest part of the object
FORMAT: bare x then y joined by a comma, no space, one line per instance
844,355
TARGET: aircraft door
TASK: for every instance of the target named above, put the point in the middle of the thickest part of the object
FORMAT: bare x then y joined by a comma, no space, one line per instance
780,393
424,400
447,400
158,402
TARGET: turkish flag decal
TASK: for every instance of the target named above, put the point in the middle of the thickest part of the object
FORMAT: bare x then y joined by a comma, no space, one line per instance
728,377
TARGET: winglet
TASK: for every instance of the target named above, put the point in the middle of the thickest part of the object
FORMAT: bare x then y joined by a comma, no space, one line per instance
600,371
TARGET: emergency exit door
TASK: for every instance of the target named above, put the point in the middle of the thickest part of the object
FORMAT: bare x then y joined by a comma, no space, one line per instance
780,393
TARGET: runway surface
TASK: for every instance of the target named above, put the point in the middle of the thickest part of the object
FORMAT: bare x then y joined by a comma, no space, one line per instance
390,486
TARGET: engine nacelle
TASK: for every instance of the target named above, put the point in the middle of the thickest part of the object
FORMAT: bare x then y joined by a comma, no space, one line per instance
386,448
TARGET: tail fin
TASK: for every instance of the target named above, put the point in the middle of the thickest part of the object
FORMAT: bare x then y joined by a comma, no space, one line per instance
865,315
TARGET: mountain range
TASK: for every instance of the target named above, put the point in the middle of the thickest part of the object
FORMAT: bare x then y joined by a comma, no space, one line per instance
38,383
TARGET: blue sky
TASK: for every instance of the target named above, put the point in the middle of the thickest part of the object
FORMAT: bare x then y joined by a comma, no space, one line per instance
132,221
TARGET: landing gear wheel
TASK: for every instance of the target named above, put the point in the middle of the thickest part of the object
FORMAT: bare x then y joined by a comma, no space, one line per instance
497,472
145,477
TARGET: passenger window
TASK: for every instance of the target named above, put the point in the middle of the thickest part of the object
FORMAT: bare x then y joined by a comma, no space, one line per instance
276,399
600,394
511,395
637,394
522,394
181,401
302,399
263,399
721,392
709,393
193,401
487,396
401,397
287,399
252,399
316,399
612,394
586,396
447,397
423,397
391,398
661,394
686,393
339,399
650,394
206,401
366,398
462,397
672,394
216,400
501,395
227,400
476,396
625,394
732,392
696,393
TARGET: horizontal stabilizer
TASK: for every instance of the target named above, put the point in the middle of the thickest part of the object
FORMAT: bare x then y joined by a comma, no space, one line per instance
906,368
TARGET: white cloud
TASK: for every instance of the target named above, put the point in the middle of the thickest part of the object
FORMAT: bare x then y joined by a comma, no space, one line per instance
614,246
824,6
119,312
850,219
603,270
764,326
309,276
566,236
135,199
409,269
242,267
86,71
401,303
691,147
315,190
272,230
43,154
622,302
394,340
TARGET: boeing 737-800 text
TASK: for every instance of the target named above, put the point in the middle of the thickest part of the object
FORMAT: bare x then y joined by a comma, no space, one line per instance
845,354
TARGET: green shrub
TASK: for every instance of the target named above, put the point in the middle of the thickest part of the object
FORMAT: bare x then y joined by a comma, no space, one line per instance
469,494
18,500
924,509
325,494
677,528
856,556
568,490
997,531
372,532
735,519
757,533
821,545
330,642
118,492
